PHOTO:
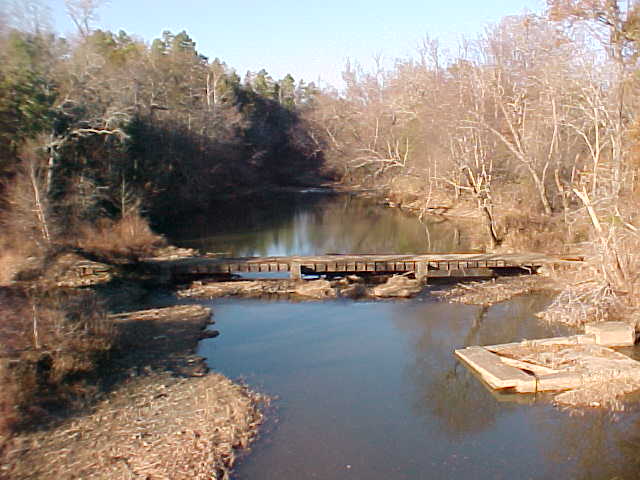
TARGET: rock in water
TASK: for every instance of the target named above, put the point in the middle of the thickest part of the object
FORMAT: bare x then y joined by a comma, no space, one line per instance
316,289
354,291
397,286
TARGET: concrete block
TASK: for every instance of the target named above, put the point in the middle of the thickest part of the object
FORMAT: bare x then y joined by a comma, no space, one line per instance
587,339
559,381
612,334
494,372
296,271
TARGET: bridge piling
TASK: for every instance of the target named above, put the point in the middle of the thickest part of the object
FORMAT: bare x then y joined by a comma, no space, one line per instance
422,271
296,271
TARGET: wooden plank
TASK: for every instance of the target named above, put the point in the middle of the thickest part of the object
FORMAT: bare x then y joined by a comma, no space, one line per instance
559,381
296,271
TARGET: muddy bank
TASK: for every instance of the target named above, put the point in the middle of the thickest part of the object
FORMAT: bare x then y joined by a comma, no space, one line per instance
161,414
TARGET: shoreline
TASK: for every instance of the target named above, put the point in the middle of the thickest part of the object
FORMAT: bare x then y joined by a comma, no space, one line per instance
160,412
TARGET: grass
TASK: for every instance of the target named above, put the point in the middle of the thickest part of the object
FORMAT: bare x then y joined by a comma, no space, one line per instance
130,237
11,262
48,345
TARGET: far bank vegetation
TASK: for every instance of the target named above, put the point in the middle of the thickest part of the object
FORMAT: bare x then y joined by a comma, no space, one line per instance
532,128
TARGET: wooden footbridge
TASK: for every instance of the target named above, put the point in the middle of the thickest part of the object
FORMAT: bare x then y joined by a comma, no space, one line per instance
455,265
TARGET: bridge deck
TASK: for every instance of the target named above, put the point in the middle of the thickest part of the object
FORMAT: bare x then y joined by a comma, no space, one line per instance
430,265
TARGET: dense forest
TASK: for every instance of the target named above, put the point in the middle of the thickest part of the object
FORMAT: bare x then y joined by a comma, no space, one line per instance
105,125
531,129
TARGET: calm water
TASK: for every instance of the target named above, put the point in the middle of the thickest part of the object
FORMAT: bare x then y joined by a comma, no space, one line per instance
315,223
371,390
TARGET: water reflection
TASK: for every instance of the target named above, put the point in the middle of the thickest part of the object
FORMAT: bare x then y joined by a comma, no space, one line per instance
442,386
296,224
374,385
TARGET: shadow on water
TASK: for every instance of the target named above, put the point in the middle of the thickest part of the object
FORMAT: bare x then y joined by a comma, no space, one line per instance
371,389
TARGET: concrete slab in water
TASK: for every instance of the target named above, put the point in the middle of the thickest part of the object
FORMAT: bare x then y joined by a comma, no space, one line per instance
612,334
496,373
589,373
559,381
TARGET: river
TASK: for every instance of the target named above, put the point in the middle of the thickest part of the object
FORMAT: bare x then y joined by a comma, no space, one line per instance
371,389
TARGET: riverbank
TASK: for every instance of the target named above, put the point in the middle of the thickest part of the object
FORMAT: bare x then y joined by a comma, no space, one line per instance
156,425
150,409
603,288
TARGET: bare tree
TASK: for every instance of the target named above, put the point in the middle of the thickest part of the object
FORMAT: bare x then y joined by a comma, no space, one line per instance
32,16
614,23
83,13
30,214
470,151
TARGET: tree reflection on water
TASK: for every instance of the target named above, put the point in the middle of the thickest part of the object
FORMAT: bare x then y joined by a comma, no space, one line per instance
596,444
314,224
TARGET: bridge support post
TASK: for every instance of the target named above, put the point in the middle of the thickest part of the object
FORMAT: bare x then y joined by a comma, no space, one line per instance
296,271
422,272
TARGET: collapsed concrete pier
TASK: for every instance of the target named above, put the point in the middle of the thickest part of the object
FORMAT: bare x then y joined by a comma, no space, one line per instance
584,369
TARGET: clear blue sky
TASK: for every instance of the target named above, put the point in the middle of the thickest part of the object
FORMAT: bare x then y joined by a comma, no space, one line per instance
310,40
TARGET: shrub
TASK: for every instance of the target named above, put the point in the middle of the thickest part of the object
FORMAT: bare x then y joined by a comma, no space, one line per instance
47,344
129,237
